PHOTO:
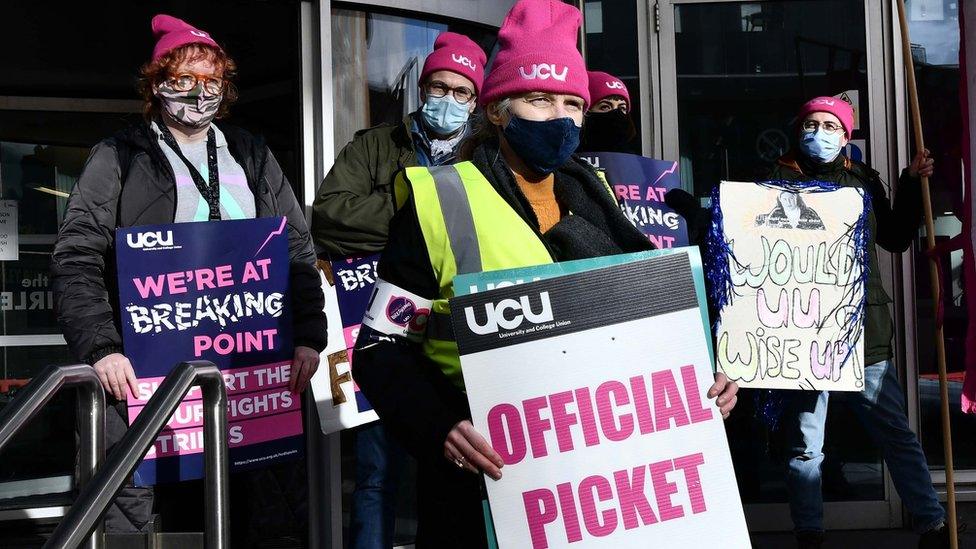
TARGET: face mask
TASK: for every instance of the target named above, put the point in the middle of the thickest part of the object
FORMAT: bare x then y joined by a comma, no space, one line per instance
193,109
607,131
444,115
543,146
820,146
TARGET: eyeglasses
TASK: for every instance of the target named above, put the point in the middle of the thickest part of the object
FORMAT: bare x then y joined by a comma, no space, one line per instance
461,94
187,81
810,126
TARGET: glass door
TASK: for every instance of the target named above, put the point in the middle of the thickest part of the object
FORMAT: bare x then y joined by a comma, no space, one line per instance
731,76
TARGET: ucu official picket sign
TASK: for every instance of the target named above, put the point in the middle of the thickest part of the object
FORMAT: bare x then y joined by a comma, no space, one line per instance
598,405
544,71
214,291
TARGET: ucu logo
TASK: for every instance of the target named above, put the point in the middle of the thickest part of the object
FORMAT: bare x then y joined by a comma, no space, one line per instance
201,34
827,102
462,60
544,71
496,319
149,239
617,85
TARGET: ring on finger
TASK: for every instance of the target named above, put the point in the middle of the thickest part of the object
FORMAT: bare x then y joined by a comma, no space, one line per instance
459,461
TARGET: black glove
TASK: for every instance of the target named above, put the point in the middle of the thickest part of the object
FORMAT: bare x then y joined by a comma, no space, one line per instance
699,219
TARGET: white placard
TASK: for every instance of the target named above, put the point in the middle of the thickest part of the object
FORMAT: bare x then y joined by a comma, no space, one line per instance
337,398
591,386
794,319
9,234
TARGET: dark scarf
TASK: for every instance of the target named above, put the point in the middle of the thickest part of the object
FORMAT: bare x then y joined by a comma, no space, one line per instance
829,171
596,227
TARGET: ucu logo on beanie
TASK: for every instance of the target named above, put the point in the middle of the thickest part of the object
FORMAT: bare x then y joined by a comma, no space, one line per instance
615,85
200,34
544,71
463,60
827,102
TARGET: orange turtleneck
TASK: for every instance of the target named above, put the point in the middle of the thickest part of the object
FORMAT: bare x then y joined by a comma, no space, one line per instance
542,198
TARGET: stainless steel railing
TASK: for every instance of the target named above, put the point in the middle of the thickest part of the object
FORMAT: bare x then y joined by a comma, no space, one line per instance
91,414
88,509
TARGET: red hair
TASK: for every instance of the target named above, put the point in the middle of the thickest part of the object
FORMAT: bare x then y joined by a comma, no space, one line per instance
153,73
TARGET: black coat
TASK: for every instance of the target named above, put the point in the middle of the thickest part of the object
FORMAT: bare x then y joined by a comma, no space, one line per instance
141,190
415,400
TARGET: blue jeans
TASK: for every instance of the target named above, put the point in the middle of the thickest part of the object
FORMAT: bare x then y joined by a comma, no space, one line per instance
881,410
379,462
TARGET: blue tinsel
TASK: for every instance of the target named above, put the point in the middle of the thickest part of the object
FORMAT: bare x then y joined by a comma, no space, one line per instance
771,403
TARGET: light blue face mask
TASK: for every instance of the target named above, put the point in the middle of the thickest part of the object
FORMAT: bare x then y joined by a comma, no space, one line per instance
820,145
444,115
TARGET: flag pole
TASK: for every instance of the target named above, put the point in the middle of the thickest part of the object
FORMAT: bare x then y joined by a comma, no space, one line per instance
933,274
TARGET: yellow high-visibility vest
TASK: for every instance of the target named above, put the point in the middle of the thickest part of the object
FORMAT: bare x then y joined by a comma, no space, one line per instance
468,228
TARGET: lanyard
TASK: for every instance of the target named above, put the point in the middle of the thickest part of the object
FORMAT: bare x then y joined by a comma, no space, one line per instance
210,192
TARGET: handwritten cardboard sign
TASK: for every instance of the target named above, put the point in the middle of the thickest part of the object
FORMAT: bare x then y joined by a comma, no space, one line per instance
794,317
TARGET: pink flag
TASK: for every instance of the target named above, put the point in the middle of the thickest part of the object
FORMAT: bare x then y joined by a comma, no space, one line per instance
967,239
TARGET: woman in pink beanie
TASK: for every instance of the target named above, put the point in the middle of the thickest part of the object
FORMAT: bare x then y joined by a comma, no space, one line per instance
174,166
608,126
535,97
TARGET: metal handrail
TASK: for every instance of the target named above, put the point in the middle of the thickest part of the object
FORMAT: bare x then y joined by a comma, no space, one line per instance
91,412
95,498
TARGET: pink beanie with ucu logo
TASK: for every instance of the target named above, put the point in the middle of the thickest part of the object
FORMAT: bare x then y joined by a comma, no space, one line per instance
837,107
456,53
171,33
603,85
537,52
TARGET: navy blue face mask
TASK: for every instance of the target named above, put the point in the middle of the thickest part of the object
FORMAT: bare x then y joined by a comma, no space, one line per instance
542,145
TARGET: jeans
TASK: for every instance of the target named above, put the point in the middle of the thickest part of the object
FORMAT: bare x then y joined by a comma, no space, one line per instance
379,462
881,410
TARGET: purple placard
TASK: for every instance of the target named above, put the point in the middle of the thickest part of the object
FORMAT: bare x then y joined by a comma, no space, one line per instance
639,184
214,291
354,280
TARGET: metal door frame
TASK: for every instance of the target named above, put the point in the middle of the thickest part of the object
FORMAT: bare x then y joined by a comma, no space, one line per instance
662,123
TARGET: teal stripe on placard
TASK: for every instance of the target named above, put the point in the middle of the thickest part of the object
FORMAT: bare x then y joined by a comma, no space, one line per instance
489,525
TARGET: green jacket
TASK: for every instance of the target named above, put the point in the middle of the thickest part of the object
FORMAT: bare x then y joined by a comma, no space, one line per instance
891,227
353,207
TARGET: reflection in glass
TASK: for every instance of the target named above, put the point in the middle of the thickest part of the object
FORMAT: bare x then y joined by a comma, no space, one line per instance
934,28
743,69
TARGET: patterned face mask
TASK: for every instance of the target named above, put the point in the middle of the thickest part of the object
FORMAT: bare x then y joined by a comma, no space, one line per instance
194,108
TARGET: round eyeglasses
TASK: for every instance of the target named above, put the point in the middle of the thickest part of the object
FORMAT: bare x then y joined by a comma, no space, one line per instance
187,81
810,126
461,94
